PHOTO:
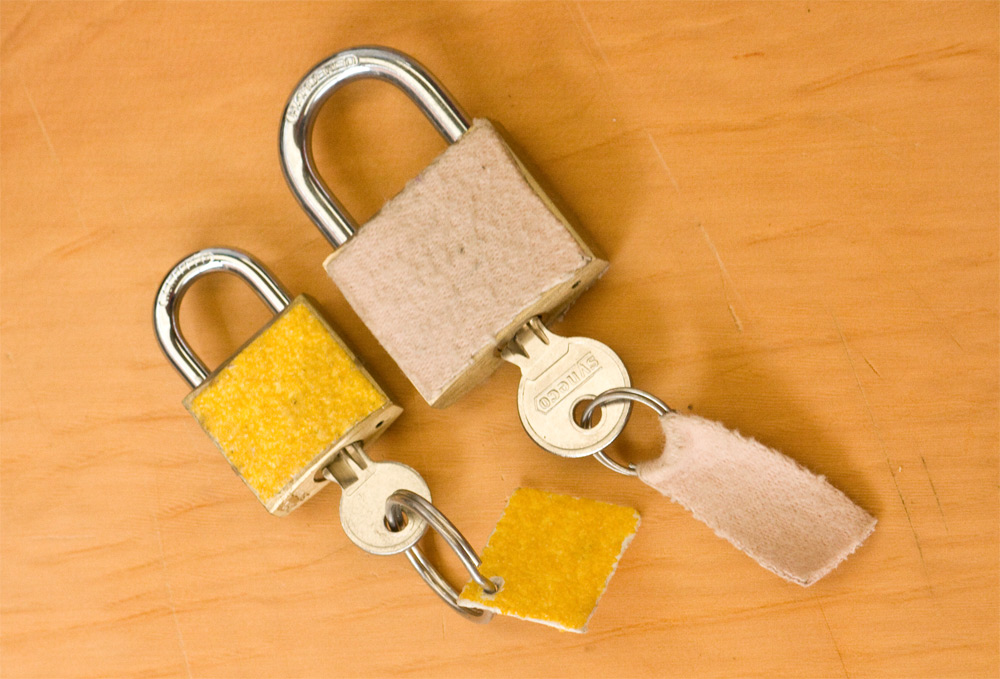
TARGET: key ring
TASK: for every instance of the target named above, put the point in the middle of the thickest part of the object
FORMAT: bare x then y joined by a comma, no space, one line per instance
620,395
404,500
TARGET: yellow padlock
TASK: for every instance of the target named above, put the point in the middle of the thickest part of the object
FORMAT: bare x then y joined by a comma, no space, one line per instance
289,401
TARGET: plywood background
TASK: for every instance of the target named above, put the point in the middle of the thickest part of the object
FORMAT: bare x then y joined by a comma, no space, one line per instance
800,204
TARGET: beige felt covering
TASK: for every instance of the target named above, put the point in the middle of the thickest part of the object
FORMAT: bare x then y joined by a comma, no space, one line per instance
449,269
790,520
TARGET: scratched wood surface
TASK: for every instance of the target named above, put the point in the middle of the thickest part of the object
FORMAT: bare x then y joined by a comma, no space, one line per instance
800,205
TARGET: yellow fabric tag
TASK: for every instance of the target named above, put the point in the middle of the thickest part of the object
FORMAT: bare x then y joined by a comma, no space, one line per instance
554,556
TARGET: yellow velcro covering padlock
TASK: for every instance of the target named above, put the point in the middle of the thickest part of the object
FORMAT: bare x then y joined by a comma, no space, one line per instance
282,400
553,556
288,401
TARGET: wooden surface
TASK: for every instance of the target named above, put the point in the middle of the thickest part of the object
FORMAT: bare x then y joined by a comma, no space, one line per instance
799,202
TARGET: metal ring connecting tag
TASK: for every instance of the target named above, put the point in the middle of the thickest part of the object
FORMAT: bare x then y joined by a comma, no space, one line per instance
622,395
414,506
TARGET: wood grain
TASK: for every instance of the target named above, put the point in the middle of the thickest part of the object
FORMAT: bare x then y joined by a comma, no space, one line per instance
800,206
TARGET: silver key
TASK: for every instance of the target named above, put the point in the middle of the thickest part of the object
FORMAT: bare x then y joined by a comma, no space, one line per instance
367,485
557,373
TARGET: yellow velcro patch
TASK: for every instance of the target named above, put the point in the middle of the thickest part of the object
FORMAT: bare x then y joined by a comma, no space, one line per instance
554,556
282,400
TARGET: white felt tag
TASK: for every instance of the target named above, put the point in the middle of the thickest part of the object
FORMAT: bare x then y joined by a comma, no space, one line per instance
790,520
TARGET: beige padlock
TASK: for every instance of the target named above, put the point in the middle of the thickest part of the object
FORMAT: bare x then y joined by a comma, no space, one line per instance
449,269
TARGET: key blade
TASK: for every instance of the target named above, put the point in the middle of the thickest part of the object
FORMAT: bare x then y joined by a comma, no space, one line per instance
527,343
349,468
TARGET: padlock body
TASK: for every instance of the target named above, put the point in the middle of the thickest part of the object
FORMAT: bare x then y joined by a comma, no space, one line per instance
462,257
285,404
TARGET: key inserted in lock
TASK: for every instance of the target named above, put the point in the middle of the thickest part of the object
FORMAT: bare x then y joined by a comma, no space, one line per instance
557,375
367,485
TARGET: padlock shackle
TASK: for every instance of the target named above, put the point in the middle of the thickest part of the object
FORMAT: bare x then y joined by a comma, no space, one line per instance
180,278
295,140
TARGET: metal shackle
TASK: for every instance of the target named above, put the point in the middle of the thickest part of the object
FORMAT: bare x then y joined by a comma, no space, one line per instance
180,278
295,141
